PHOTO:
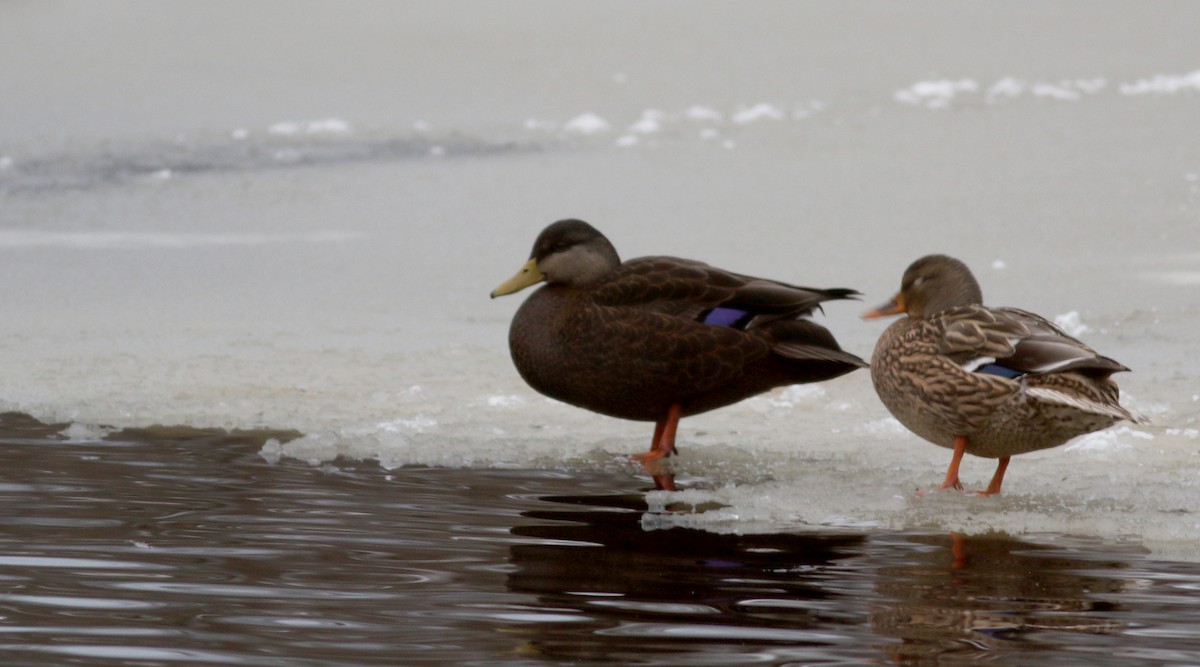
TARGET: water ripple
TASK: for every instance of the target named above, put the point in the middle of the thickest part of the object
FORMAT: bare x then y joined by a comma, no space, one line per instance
80,602
271,592
77,563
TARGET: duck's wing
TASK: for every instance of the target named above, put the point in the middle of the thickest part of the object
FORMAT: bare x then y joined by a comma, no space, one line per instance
1011,342
696,291
691,327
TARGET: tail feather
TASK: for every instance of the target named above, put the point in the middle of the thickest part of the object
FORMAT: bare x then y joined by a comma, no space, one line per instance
1114,410
832,293
816,353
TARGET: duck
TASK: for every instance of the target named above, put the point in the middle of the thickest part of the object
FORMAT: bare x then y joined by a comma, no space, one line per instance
990,382
660,338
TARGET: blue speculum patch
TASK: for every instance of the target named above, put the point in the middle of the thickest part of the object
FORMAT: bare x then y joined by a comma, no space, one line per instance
1002,371
727,317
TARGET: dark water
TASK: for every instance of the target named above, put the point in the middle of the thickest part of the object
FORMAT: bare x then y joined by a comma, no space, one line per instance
167,547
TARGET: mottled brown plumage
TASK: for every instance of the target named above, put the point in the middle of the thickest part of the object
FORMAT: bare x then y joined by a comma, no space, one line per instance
993,382
656,338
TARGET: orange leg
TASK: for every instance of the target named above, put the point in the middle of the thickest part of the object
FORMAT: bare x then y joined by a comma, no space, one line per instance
664,436
664,482
997,479
958,547
951,481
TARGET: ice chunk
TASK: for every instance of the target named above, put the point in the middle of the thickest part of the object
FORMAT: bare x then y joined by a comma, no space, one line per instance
325,126
649,123
935,94
418,424
1059,92
535,124
703,113
84,432
587,123
328,126
271,451
1190,433
1007,87
1070,323
761,111
1163,84
1107,440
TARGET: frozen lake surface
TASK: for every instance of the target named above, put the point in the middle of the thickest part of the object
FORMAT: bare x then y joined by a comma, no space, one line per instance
288,218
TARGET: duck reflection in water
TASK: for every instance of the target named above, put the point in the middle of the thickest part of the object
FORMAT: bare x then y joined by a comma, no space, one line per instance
683,596
977,598
675,591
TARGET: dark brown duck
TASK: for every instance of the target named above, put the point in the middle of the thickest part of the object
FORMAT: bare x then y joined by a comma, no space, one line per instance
658,338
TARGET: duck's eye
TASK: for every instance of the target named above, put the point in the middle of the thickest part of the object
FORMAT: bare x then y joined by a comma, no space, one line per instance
917,282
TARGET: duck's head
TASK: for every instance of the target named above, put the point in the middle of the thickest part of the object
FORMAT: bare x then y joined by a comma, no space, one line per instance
568,252
930,285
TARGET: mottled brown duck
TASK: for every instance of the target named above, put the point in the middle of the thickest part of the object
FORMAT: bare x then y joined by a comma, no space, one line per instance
659,338
993,382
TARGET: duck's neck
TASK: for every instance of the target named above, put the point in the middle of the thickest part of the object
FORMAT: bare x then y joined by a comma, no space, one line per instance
580,266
